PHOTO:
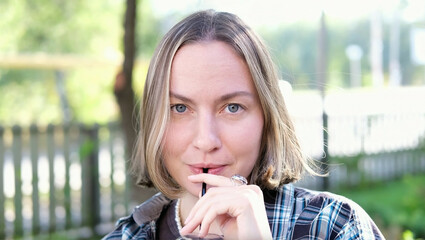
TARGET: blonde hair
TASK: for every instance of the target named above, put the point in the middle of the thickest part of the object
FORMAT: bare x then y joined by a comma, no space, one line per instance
280,158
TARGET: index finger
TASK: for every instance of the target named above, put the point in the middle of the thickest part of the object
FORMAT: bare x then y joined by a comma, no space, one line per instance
211,179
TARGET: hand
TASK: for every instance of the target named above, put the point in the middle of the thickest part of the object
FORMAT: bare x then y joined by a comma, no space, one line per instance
238,210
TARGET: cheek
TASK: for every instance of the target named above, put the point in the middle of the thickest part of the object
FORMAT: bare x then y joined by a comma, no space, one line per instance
251,132
246,139
174,139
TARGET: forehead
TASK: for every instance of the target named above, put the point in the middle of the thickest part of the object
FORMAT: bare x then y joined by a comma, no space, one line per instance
206,62
213,53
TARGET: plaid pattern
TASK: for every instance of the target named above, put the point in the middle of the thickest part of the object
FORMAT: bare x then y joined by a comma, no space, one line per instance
297,213
130,230
293,213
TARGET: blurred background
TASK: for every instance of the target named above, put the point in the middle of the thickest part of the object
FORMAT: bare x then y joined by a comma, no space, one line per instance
71,74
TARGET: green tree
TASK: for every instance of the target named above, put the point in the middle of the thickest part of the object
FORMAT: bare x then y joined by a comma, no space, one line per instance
89,28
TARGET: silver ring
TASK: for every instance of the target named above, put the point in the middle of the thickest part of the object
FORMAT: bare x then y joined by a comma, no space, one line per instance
238,180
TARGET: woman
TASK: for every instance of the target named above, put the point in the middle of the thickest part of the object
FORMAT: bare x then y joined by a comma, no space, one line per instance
212,114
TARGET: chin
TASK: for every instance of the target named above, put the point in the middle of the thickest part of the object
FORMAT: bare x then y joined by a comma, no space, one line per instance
193,189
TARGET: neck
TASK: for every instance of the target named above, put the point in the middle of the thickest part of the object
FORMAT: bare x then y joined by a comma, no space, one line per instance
187,202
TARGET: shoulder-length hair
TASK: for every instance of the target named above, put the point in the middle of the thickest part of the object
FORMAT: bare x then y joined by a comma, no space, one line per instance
280,158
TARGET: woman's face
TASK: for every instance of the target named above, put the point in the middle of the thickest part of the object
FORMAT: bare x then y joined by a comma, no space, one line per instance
216,117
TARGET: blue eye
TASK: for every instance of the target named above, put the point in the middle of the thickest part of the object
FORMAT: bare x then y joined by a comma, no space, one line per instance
180,108
233,108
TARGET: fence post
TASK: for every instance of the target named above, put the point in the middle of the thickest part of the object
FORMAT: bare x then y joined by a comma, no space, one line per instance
34,162
322,69
17,157
52,189
2,197
325,157
67,188
90,189
111,128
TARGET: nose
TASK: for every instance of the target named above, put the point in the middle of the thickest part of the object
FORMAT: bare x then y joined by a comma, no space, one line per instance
207,138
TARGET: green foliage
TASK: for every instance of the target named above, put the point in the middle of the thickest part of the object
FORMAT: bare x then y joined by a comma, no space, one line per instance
294,47
59,26
91,95
87,28
81,234
25,99
87,148
409,235
148,30
400,203
95,28
31,96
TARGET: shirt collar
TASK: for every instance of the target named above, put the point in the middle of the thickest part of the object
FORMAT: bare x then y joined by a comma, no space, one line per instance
151,209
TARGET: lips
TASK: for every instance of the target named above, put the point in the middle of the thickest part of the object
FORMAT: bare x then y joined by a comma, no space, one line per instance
212,169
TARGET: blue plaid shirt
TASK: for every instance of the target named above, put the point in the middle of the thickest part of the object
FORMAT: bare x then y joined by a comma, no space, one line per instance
293,213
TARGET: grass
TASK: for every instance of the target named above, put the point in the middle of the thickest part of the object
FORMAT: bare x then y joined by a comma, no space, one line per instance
79,234
394,204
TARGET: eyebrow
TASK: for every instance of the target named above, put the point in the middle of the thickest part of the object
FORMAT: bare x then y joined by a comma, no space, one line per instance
221,99
181,97
236,94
